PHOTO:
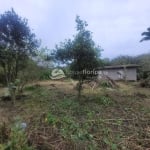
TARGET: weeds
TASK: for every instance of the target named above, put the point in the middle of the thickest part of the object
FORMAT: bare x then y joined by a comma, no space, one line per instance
106,120
69,128
104,100
15,139
4,133
31,88
112,145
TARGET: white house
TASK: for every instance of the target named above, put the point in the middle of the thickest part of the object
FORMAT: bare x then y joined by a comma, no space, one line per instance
119,72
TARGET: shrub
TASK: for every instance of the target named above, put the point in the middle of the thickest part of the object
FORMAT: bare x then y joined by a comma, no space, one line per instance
45,74
105,83
104,100
15,139
4,133
145,82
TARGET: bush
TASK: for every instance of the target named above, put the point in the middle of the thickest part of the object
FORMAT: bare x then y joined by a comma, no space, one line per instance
13,138
45,74
145,83
104,100
105,84
4,133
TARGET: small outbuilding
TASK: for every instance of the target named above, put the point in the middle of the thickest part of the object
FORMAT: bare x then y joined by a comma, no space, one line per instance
119,72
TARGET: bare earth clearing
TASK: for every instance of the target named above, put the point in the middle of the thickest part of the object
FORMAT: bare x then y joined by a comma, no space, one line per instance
105,118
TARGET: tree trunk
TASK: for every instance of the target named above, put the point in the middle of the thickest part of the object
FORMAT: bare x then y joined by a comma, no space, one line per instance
79,89
6,75
13,94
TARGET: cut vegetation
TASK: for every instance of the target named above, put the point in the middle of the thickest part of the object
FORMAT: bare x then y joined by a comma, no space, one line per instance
86,109
103,119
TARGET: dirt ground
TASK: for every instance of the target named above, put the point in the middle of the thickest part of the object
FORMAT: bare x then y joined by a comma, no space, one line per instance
118,118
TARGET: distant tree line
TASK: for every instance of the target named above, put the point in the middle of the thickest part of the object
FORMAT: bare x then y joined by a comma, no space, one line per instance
142,60
18,46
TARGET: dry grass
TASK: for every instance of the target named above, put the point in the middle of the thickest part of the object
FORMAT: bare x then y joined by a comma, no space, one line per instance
104,118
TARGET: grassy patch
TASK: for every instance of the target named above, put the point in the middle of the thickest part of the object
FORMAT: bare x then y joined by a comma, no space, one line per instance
104,119
31,88
13,138
104,100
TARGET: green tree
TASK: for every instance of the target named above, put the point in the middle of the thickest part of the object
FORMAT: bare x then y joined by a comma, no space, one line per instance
146,34
44,58
17,43
81,53
106,62
123,60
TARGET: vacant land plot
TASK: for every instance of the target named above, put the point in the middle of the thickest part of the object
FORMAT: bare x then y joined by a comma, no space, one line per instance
104,118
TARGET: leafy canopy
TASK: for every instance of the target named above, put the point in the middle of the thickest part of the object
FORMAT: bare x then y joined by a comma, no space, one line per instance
17,42
146,34
81,53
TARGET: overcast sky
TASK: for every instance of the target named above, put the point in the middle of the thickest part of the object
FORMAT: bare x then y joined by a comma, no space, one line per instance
116,24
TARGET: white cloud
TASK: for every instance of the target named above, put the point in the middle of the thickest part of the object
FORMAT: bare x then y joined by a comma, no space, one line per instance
116,24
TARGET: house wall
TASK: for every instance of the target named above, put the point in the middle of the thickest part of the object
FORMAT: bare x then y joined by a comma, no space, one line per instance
131,74
119,74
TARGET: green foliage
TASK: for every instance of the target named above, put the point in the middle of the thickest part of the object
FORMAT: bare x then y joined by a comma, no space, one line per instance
90,114
145,82
146,34
69,128
142,60
79,130
112,145
106,62
81,53
32,73
97,124
16,139
13,89
51,119
45,74
16,44
43,58
104,100
105,84
123,60
68,104
4,133
31,88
